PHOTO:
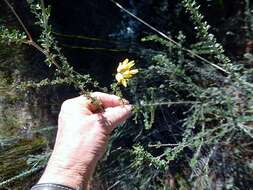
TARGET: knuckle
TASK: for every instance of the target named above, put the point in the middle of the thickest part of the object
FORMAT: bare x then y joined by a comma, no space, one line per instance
95,94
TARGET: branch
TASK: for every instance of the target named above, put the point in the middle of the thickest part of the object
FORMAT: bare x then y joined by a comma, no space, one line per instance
170,103
170,39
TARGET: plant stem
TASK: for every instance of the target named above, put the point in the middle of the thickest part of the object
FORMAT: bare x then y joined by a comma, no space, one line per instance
170,103
170,39
161,145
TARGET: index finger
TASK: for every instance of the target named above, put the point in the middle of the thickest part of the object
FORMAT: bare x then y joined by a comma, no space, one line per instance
109,100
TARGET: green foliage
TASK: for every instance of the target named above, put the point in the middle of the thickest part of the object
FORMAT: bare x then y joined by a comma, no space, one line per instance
9,37
208,43
46,44
64,74
53,52
213,103
186,112
248,18
24,154
142,156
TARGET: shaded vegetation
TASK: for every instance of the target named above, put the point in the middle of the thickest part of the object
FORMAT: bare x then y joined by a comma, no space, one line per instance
193,97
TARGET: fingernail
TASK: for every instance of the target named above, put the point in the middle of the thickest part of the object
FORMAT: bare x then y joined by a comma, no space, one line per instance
129,107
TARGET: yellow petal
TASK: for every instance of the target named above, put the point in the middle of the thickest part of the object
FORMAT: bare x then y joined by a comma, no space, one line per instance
125,61
134,71
129,73
120,67
124,82
128,76
119,77
125,65
130,64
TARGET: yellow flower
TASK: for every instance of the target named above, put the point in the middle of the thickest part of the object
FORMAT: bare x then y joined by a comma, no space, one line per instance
124,72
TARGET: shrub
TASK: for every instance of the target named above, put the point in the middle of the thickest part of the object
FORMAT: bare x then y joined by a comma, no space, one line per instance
193,108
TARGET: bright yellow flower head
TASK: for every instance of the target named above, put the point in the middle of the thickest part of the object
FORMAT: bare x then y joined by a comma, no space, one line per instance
124,72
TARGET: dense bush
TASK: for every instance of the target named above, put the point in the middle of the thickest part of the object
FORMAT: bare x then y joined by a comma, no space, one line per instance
192,123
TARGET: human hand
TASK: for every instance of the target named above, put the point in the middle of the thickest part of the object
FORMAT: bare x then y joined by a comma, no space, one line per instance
82,137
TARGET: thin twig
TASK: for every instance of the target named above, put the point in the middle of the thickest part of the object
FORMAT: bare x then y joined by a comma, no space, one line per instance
94,48
30,41
113,185
161,145
170,103
43,12
46,53
246,129
21,175
170,39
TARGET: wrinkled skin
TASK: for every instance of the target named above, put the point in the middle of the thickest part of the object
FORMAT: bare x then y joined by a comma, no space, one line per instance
82,138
